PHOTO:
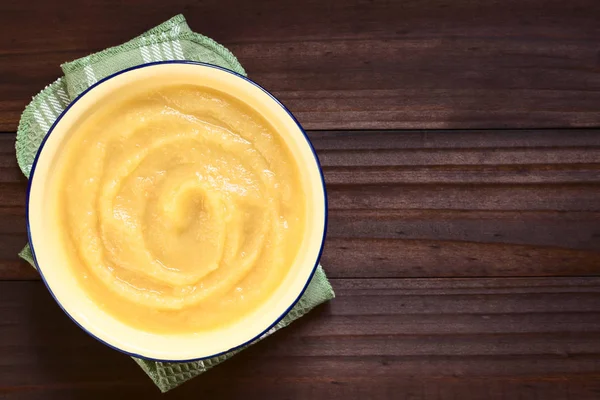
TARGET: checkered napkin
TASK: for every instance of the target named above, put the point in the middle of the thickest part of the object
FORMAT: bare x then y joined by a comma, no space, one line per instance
172,40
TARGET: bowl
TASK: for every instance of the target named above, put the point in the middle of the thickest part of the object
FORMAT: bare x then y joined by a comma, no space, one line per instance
59,277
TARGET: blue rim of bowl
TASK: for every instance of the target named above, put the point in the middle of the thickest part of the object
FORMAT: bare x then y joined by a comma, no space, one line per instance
39,151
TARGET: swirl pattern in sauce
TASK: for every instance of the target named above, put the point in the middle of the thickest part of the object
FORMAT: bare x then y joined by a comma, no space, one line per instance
182,208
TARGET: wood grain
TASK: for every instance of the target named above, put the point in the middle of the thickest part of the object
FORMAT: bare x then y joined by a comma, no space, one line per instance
465,260
428,204
394,338
349,64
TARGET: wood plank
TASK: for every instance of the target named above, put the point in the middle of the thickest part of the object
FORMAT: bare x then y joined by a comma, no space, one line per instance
435,258
349,64
427,204
521,338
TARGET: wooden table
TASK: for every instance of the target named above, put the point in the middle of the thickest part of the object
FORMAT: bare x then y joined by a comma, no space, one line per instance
461,149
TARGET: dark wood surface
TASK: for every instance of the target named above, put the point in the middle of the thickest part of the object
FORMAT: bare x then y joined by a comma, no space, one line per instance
360,64
460,142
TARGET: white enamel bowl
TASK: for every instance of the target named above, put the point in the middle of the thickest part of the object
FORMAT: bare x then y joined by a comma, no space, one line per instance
53,263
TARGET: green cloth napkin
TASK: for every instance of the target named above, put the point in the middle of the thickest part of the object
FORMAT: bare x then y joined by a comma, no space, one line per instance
172,40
